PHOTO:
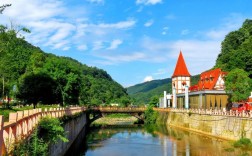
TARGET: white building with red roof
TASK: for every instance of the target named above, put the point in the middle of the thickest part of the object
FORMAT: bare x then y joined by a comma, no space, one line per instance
208,93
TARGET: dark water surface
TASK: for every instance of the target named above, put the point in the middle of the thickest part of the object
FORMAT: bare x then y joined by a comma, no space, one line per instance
152,141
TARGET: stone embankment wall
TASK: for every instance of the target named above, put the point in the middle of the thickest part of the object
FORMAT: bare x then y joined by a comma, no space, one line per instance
221,126
73,127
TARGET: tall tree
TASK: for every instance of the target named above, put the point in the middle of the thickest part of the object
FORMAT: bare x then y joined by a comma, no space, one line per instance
67,77
236,50
238,84
34,88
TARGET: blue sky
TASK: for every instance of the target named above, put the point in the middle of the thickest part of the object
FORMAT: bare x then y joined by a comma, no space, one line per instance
133,40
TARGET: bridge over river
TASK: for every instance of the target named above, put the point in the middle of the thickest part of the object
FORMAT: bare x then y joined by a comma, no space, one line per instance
98,112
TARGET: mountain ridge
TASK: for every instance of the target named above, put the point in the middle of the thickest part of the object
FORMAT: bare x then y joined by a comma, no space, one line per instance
142,92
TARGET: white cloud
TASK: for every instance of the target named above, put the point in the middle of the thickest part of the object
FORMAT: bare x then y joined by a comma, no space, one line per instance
140,9
113,58
161,71
184,32
148,23
53,22
170,17
60,45
33,10
119,25
42,17
96,1
82,47
114,44
148,78
66,48
163,51
165,29
229,24
148,2
97,45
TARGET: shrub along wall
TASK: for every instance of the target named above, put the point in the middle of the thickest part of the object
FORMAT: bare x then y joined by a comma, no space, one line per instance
52,136
73,126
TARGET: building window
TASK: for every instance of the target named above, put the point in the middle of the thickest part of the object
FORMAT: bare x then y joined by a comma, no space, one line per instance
183,83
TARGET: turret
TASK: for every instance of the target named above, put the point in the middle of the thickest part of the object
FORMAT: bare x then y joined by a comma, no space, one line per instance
181,76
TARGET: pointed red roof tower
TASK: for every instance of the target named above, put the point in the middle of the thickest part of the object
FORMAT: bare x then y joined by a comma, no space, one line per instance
180,69
181,77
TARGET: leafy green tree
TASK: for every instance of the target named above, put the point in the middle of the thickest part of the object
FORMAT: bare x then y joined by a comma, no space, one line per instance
34,88
36,62
151,115
154,101
85,97
125,101
236,50
67,78
238,84
12,52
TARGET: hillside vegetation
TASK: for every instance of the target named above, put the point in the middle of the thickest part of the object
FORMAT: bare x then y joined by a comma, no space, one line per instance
236,50
142,93
34,76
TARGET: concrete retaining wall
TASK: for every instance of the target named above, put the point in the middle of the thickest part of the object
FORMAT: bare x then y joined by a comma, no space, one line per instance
73,128
225,127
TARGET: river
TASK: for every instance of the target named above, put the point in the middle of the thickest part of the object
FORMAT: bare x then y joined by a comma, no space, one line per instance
150,141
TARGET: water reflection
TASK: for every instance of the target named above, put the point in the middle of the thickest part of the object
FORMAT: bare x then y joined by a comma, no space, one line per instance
150,141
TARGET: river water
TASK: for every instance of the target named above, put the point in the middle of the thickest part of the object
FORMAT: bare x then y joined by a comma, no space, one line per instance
150,141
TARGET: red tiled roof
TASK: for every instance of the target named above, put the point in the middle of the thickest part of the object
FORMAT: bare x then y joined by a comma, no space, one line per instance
208,80
181,69
194,88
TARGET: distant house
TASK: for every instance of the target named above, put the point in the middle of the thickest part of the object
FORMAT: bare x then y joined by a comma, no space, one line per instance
208,93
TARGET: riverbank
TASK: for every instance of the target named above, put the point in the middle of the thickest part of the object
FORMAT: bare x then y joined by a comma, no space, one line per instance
116,119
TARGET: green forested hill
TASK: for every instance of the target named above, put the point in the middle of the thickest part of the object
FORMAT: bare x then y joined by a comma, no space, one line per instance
142,93
236,50
147,86
35,76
